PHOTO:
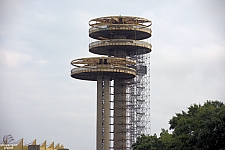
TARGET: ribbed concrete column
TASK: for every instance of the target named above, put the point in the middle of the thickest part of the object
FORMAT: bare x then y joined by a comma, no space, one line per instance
119,115
106,112
103,99
99,114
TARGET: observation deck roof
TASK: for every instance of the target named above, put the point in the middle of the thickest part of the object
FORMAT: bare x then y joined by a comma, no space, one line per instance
120,20
111,27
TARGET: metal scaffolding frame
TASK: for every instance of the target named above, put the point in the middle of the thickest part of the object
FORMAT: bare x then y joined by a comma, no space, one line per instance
138,100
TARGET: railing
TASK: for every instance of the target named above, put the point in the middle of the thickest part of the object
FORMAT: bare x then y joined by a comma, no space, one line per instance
104,68
94,61
120,27
120,20
120,42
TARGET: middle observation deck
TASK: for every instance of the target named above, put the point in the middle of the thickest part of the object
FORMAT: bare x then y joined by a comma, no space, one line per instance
111,47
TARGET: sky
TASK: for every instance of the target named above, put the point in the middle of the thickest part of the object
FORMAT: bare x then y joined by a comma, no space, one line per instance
38,39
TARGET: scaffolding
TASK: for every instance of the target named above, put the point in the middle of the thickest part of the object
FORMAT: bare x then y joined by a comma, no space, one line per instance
138,99
123,79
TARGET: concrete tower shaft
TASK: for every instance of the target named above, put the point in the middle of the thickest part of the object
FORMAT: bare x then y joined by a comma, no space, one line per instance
103,114
120,114
120,39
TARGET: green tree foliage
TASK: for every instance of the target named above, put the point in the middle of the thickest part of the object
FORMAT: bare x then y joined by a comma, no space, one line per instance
152,142
147,142
166,139
200,128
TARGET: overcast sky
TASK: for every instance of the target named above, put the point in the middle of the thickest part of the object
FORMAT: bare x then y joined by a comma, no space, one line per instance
38,39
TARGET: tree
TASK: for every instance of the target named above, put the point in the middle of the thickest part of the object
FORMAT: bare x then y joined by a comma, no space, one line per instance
152,142
147,142
166,139
200,128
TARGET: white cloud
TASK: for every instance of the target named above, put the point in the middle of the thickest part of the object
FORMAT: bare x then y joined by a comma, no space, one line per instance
42,17
14,59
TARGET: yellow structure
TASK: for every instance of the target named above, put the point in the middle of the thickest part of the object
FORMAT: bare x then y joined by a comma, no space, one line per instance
32,146
120,111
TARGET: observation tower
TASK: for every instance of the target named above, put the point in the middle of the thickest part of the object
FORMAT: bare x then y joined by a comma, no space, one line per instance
122,73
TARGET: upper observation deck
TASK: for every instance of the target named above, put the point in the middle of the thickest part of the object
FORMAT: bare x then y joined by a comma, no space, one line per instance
126,46
90,68
117,27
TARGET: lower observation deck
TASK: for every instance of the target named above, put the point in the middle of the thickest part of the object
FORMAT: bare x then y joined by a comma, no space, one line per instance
102,66
89,73
131,47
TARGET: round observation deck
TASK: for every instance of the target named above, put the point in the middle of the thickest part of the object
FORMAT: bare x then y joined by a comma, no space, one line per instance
114,27
111,47
90,68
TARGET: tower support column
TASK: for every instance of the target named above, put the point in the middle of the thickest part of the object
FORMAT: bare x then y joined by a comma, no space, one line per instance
103,112
119,114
